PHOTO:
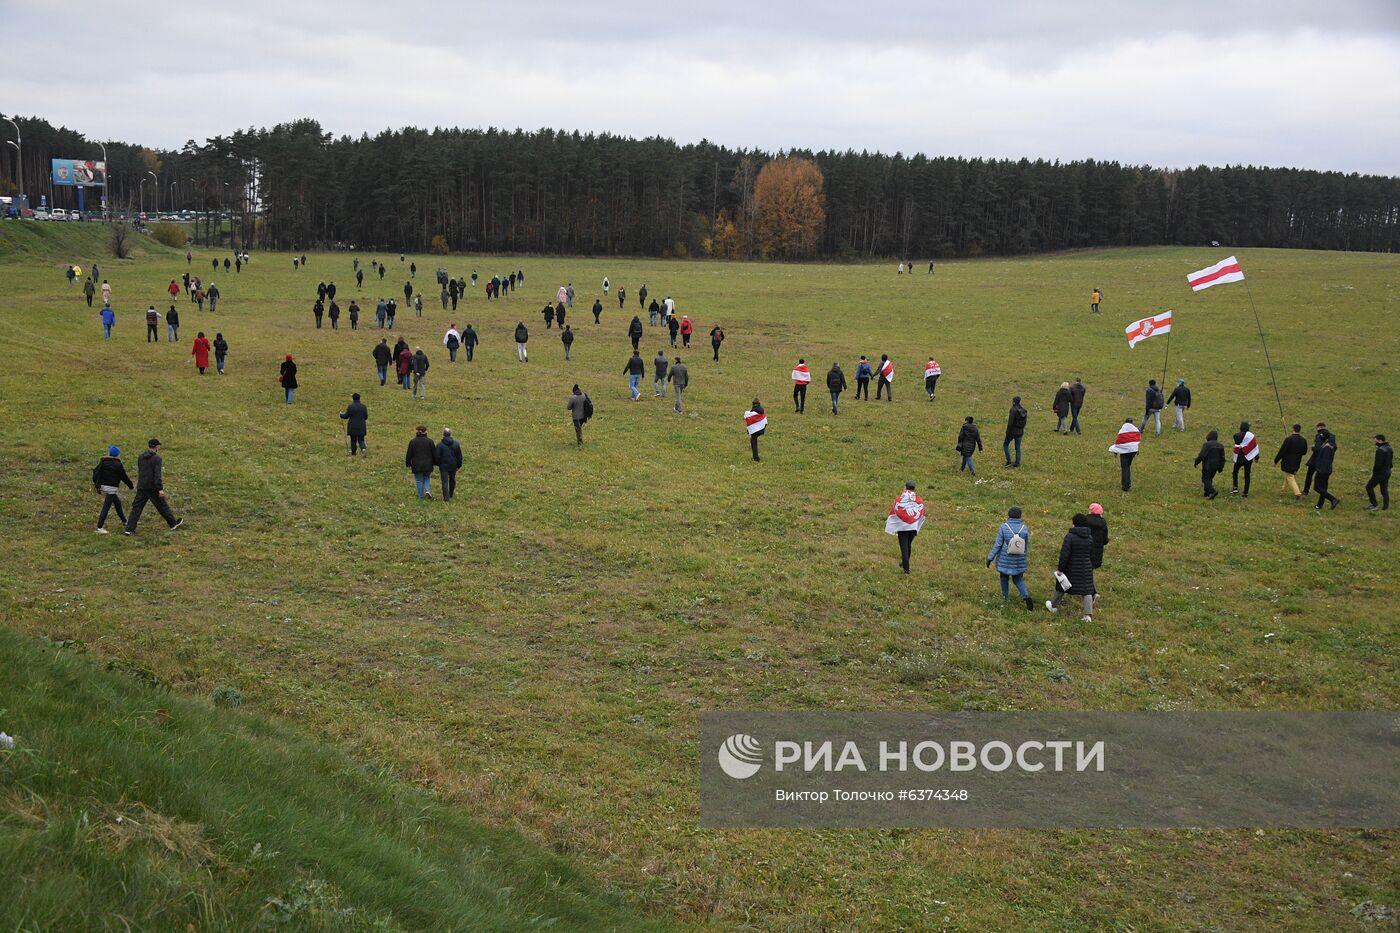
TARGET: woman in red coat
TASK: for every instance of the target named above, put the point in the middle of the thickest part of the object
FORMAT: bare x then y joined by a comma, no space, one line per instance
404,366
172,288
200,352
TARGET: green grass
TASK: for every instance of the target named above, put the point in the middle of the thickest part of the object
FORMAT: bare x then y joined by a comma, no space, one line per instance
536,653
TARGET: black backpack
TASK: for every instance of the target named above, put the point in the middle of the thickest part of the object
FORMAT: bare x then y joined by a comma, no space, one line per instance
587,407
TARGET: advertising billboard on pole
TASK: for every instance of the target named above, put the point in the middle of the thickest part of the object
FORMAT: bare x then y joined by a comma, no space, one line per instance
79,172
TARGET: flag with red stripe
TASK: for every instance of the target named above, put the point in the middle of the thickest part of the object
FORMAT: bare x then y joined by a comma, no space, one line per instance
1248,447
907,513
931,368
755,421
887,370
1138,331
801,374
1129,439
1226,270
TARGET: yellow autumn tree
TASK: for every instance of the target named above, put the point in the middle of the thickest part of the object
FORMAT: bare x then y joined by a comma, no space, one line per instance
790,208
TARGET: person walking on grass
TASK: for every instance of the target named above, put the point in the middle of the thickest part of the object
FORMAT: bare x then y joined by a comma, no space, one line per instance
653,313
756,423
354,312
567,339
107,478
716,338
1323,461
1246,452
1076,568
355,417
403,364
150,487
1061,407
200,352
904,521
383,356
633,370
1155,402
1015,429
287,376
1318,439
214,296
801,378
1289,458
173,290
452,340
522,336
334,314
659,366
1211,460
1010,553
559,314
420,458
969,442
931,373
220,353
885,386
420,374
577,405
89,290
172,324
621,297
679,377
1095,297
469,341
863,374
1077,391
152,325
634,332
106,292
318,309
687,328
1380,475
391,310
835,384
598,308
449,461
1125,447
548,313
674,327
1181,400
1098,532
109,318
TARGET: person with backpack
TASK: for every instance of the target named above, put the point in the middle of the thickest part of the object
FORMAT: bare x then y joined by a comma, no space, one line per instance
220,353
835,384
150,487
659,366
420,458
1125,448
355,417
1009,553
469,341
1181,398
383,356
904,521
634,332
1061,406
885,379
931,373
200,352
633,370
107,478
452,340
756,423
1380,475
598,309
1015,428
1246,452
1289,458
1075,572
801,378
580,409
716,338
449,461
863,374
420,374
1155,402
567,339
522,336
679,377
1211,460
969,442
1077,391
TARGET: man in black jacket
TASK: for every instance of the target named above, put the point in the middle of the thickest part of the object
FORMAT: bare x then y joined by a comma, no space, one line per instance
449,460
634,331
1289,458
835,384
150,487
522,335
1153,404
1181,398
469,342
383,356
1380,474
355,415
1077,391
633,370
1322,436
107,478
1211,460
1015,429
421,457
659,366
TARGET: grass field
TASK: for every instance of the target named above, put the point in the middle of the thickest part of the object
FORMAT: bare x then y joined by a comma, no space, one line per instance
536,652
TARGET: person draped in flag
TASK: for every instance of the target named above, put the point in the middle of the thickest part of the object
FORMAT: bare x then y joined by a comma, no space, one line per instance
905,519
1125,447
886,384
755,422
801,378
1246,452
1211,460
931,373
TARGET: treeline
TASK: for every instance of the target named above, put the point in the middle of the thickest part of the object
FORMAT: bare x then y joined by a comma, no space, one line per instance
296,186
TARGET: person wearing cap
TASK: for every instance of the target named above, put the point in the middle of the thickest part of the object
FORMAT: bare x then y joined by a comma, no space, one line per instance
1380,474
449,461
288,377
1181,398
905,519
1015,429
420,458
107,478
355,417
1098,529
1009,553
150,487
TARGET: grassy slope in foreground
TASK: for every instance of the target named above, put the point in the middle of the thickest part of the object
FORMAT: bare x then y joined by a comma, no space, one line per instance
122,803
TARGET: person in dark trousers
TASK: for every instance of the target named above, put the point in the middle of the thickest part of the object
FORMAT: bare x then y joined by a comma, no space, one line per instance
931,373
567,339
1098,530
420,374
905,519
577,407
642,296
1211,460
449,461
1009,553
172,324
469,342
1380,475
884,376
687,328
408,293
969,442
213,297
1125,448
863,374
801,378
383,356
220,353
1181,400
107,478
1154,403
1323,460
318,309
1015,429
835,384
355,416
1246,450
716,338
152,325
420,458
287,376
334,314
1318,439
1076,564
756,422
659,366
150,487
674,327
452,340
1289,458
559,315
633,370
354,311
1061,406
679,377
621,296
598,308
548,313
89,289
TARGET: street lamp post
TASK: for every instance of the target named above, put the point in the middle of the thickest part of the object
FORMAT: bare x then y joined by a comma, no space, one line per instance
156,194
141,197
19,160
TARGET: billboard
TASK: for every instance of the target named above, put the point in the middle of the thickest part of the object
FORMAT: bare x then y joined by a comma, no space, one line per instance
79,173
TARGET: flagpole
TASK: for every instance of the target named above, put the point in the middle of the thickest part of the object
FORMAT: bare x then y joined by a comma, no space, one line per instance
1165,358
1272,378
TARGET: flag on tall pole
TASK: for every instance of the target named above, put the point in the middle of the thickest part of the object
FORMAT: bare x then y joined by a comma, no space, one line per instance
1138,331
1226,270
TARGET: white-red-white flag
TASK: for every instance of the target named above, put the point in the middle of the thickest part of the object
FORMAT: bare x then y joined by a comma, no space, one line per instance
907,513
1139,331
755,421
1226,270
931,368
1128,440
801,374
887,371
1248,447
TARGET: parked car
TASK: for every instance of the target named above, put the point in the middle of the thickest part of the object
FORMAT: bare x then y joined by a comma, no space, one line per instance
58,213
41,214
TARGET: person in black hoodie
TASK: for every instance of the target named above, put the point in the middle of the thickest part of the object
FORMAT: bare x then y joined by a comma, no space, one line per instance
835,384
522,335
1322,434
220,353
1211,460
107,478
449,460
634,330
150,487
355,415
1380,474
1076,563
383,356
598,308
1289,458
1077,392
1322,461
1015,428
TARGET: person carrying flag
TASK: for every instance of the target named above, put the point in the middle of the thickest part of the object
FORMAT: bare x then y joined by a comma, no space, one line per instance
905,519
755,422
931,373
1126,448
1246,452
886,384
801,378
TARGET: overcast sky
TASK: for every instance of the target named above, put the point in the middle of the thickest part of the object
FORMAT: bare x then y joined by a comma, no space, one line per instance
1309,83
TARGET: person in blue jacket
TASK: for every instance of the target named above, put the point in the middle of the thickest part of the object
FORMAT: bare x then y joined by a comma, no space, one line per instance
863,374
1009,554
109,317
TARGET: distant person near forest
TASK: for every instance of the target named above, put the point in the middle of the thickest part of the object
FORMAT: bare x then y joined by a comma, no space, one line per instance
1095,298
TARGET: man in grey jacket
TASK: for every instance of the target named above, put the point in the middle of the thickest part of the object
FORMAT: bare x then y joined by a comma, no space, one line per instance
577,407
150,487
680,378
658,382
